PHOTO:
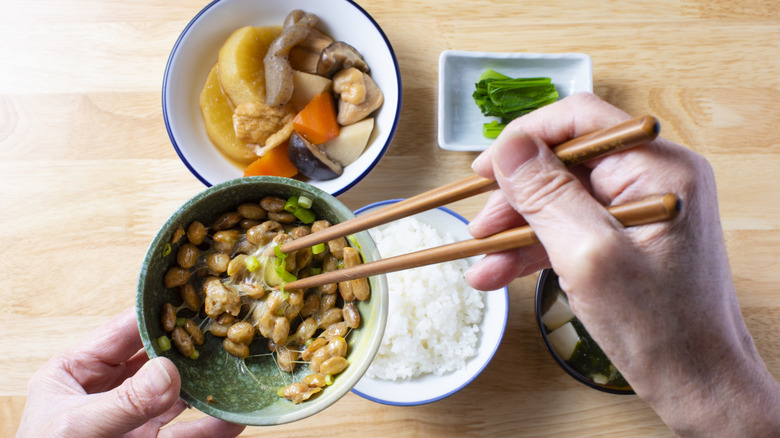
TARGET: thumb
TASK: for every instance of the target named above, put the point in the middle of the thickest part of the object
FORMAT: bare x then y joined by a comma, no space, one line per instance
564,216
149,393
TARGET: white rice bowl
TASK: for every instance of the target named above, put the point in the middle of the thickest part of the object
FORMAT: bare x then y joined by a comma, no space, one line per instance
435,315
440,332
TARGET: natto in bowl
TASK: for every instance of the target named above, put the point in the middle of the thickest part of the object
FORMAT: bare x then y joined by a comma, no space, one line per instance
215,382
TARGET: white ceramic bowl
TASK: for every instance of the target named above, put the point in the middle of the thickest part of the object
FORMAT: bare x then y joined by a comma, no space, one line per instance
430,388
460,120
195,52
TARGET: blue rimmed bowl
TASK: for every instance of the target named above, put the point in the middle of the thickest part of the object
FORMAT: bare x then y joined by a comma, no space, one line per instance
430,388
195,52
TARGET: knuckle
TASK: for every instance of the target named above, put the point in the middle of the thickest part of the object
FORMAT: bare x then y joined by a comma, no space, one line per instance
132,401
543,190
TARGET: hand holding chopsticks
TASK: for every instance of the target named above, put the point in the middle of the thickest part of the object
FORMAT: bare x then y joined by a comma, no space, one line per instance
632,133
625,135
642,212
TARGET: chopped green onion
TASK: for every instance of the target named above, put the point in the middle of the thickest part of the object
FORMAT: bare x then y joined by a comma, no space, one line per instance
194,355
304,201
353,240
279,253
180,321
280,392
315,271
318,248
166,249
164,343
328,380
304,215
299,206
252,263
291,205
284,275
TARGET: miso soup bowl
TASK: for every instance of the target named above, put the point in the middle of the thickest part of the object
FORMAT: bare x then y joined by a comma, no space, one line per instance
548,283
218,384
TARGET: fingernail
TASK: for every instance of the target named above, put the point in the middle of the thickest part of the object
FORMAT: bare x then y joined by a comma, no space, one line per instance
479,162
157,376
512,151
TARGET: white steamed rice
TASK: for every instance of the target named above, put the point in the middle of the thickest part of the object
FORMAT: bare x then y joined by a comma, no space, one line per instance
434,315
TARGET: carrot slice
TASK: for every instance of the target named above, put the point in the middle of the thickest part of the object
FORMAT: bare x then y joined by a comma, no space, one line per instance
317,120
274,163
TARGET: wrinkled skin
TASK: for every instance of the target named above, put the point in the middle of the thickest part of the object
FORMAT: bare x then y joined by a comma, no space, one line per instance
107,387
659,299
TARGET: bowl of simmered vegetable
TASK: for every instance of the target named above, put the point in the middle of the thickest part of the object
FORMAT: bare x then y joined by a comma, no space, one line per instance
290,88
569,343
212,299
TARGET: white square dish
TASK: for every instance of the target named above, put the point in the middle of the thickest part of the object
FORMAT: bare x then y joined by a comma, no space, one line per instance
460,120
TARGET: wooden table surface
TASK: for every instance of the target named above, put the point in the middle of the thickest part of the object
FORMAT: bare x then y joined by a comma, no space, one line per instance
88,176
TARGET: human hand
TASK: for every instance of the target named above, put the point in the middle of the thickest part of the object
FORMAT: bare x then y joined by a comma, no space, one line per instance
106,386
658,299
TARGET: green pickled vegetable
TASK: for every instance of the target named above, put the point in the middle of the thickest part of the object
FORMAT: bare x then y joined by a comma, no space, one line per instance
492,129
507,98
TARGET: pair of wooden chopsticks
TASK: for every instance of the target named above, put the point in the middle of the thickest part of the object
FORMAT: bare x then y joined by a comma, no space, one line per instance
632,133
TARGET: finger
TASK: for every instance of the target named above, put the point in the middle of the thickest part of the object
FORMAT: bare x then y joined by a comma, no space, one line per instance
115,341
173,412
148,394
95,376
495,271
131,367
497,215
153,426
551,199
98,362
571,117
206,427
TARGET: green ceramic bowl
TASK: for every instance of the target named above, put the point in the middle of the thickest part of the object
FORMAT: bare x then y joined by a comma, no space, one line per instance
239,396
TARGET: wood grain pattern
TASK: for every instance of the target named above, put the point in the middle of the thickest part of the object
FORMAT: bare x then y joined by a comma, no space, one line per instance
88,175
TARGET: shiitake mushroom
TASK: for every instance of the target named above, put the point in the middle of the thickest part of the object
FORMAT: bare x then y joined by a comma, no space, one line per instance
339,56
311,161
